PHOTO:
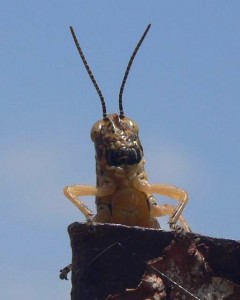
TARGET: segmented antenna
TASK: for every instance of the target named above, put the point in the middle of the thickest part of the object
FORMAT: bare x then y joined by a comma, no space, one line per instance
128,69
89,73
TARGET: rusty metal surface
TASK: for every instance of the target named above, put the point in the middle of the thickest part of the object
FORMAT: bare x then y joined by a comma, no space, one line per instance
119,262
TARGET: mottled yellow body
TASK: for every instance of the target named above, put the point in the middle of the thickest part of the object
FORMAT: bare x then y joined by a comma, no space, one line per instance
123,194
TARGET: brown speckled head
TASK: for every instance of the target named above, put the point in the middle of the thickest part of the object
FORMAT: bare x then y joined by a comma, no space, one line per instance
116,141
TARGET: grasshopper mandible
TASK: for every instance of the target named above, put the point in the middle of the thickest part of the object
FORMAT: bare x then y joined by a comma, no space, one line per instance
123,193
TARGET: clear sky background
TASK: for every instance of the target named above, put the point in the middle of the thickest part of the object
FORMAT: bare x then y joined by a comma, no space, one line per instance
183,91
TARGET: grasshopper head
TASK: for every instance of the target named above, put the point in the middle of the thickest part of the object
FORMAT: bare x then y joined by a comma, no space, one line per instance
116,141
115,136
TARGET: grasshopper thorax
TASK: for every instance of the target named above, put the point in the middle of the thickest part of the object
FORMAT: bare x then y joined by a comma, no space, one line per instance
116,141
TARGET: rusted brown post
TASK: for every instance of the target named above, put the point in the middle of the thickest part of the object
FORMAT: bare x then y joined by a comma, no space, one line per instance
119,262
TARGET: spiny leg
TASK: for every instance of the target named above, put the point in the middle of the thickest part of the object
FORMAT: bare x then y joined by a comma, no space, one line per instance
165,210
175,193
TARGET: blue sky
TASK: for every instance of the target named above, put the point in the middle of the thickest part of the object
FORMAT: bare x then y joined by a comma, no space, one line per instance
183,91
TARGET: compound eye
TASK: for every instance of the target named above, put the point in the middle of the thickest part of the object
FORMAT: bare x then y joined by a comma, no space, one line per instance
133,125
96,129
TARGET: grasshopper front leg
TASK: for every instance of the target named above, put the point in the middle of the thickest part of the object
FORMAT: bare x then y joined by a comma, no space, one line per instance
174,193
167,210
72,192
161,210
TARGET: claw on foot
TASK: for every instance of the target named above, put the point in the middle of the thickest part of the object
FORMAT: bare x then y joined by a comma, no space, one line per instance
64,272
178,229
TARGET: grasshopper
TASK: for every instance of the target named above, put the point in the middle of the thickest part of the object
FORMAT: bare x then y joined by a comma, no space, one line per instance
122,192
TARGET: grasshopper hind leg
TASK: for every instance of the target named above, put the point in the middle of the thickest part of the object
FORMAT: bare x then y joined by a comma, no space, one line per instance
175,212
166,210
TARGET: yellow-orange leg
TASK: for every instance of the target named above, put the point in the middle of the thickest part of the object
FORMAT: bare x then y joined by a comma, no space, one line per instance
174,193
168,191
74,191
167,210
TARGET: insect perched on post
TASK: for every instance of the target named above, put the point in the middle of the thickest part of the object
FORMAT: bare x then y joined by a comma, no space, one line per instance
123,193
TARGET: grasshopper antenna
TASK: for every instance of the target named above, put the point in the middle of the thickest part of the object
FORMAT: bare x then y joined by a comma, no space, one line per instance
89,73
128,69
